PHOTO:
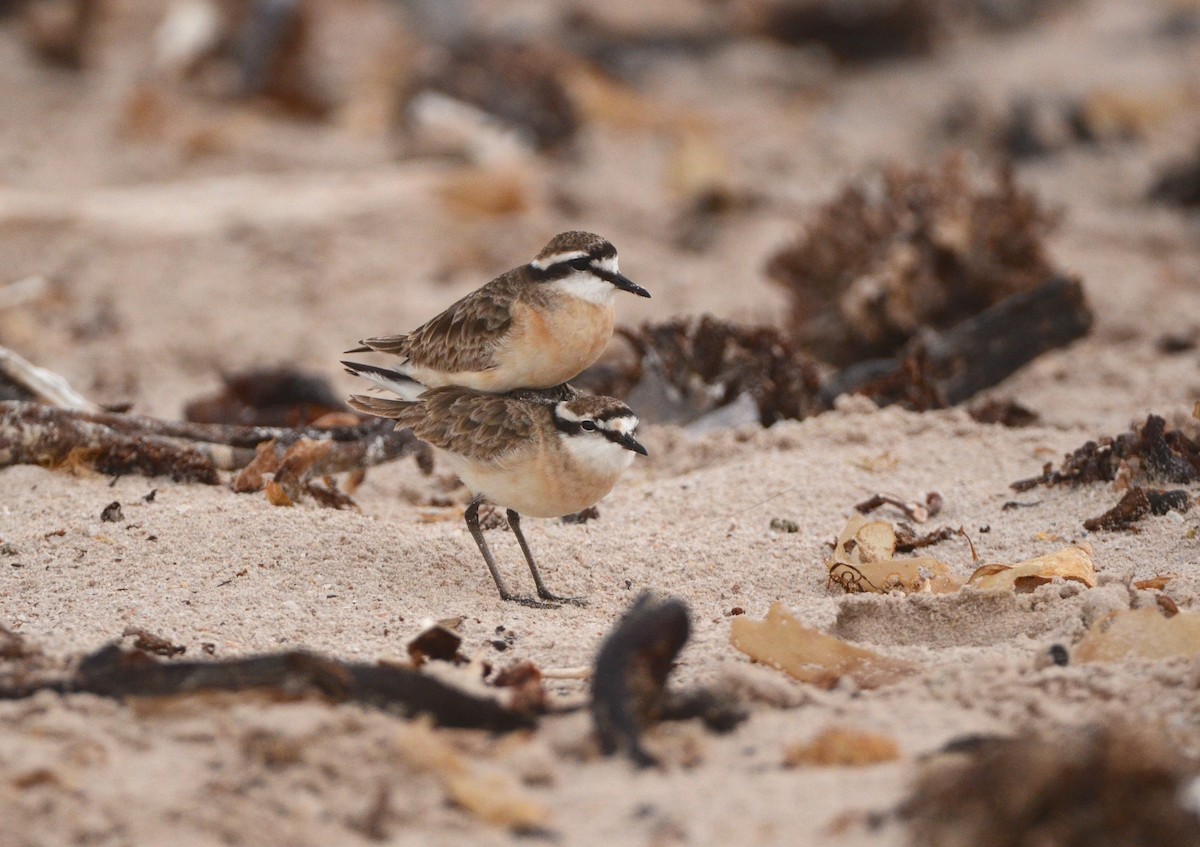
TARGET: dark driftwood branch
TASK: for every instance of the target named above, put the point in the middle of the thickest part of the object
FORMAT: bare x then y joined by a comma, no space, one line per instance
947,368
32,433
113,672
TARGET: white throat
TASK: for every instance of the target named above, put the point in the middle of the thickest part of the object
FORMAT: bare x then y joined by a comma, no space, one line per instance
597,453
587,286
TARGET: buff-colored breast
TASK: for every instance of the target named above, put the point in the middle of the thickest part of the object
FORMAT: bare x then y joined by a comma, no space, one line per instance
548,347
541,482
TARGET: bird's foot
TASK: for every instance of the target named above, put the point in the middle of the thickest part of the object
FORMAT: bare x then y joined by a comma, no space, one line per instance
554,598
529,602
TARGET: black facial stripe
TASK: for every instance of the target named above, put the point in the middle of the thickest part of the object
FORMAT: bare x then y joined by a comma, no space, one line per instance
611,413
556,271
612,435
566,426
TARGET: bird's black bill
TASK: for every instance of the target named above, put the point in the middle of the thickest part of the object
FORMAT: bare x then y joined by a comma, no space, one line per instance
621,281
631,443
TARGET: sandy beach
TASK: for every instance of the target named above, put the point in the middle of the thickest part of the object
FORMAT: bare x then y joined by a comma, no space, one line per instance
236,238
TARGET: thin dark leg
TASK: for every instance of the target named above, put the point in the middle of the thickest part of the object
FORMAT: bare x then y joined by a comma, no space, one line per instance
514,521
472,517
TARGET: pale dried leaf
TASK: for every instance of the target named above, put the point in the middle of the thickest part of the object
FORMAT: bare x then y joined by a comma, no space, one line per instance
841,746
808,655
1141,634
922,574
1074,563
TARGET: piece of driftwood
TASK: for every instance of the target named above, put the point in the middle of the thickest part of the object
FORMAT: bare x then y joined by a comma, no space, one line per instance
113,443
629,684
944,369
631,674
117,673
20,379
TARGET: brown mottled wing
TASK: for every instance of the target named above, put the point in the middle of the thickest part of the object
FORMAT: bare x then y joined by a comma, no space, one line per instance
464,337
478,426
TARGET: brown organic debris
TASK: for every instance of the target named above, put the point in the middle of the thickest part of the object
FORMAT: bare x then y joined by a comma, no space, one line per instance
630,679
686,369
1106,786
939,369
1003,412
842,747
282,397
257,50
61,32
438,643
524,681
1155,583
913,510
516,85
151,643
114,672
1136,504
863,562
914,249
1156,454
1178,183
120,444
782,642
870,31
629,690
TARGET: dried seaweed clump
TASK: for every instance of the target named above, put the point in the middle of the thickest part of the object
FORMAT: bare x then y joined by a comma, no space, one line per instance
867,31
905,250
1091,787
1178,183
698,365
269,397
518,85
1150,453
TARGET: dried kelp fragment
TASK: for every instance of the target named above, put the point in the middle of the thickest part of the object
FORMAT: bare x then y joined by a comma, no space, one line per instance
1178,183
842,747
250,49
1073,563
151,643
1136,504
782,642
518,86
862,561
939,369
916,511
1161,456
684,369
62,32
629,684
113,672
1106,786
274,397
1006,412
873,30
436,642
909,250
1152,633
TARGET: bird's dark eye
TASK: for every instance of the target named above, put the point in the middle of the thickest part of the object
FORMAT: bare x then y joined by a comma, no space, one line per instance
588,426
580,264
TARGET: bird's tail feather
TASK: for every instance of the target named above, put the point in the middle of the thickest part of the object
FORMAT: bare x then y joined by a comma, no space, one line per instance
383,407
400,384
